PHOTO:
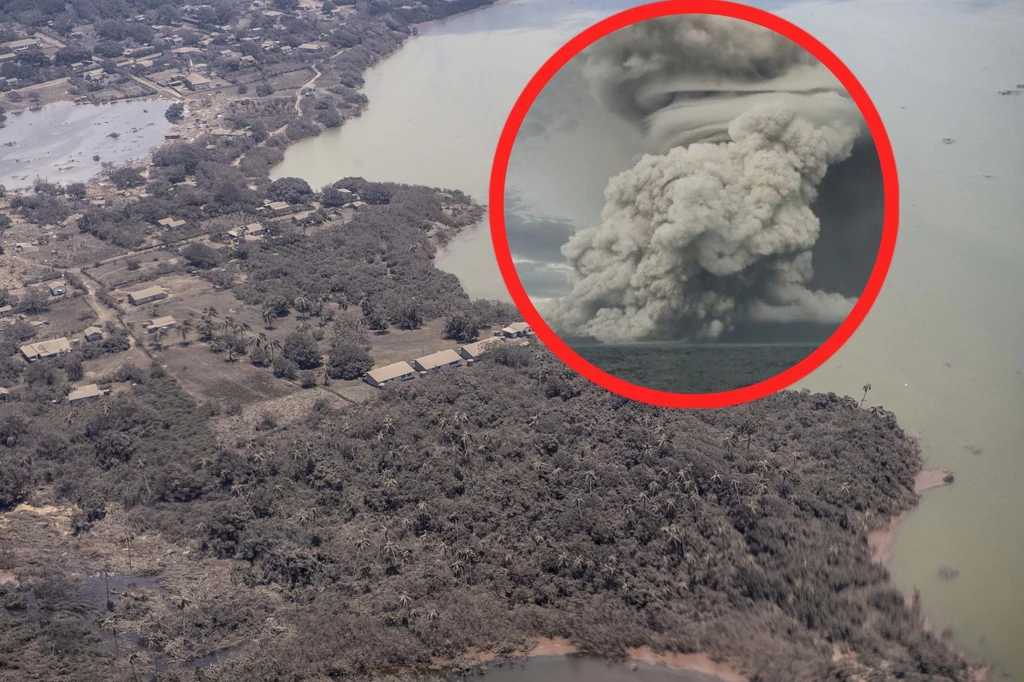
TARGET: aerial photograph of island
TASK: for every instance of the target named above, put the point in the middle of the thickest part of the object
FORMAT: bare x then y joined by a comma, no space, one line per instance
268,412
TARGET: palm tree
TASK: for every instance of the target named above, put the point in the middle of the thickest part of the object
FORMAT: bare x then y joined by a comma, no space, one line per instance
161,334
184,329
180,602
590,477
272,345
269,315
302,305
320,308
303,327
226,325
132,657
128,538
241,330
867,387
258,341
205,329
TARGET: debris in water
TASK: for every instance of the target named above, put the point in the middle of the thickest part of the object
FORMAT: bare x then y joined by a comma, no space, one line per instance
1010,91
948,572
948,140
973,449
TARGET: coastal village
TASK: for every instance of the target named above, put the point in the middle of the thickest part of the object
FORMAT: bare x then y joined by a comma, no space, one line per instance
104,274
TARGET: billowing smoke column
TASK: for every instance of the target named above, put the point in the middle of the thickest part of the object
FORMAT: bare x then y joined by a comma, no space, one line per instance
718,229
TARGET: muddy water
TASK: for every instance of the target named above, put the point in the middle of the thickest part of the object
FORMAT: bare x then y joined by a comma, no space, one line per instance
941,348
58,142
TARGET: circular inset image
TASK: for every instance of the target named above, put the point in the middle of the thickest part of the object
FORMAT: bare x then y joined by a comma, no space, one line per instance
694,204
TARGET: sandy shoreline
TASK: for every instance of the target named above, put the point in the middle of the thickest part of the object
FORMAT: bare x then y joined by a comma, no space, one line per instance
881,539
559,646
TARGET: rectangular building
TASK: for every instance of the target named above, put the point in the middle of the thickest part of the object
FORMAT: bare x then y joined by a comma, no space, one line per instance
57,288
158,323
434,361
45,349
517,330
93,334
84,394
195,82
146,295
472,351
399,371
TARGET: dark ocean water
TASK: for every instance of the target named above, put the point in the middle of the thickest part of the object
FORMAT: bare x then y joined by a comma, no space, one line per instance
694,367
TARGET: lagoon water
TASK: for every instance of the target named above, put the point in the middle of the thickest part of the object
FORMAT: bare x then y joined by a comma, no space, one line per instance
942,347
57,142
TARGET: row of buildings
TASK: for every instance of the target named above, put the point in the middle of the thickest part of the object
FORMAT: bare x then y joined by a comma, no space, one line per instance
449,357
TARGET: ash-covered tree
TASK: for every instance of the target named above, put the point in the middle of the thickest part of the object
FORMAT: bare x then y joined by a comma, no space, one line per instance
348,361
303,350
292,190
126,177
461,327
202,256
175,111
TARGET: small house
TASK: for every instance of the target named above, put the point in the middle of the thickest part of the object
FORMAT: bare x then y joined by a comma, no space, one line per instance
473,351
172,224
5,395
5,310
517,330
310,47
57,288
435,361
93,334
45,349
195,82
84,394
156,324
146,295
279,207
399,371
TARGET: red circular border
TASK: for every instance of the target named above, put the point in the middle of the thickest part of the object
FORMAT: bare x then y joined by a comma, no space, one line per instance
690,400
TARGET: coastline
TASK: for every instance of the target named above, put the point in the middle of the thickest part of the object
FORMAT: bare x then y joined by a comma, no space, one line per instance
881,539
560,646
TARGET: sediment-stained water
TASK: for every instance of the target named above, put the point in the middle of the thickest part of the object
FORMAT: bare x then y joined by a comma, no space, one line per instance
57,143
942,346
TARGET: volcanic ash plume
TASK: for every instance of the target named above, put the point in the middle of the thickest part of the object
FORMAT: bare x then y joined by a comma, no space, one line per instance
718,229
694,239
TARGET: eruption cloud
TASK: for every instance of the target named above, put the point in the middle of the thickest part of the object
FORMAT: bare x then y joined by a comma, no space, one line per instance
715,226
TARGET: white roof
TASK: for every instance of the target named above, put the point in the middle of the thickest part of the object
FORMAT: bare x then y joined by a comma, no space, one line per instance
438,359
389,372
89,331
517,327
164,321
